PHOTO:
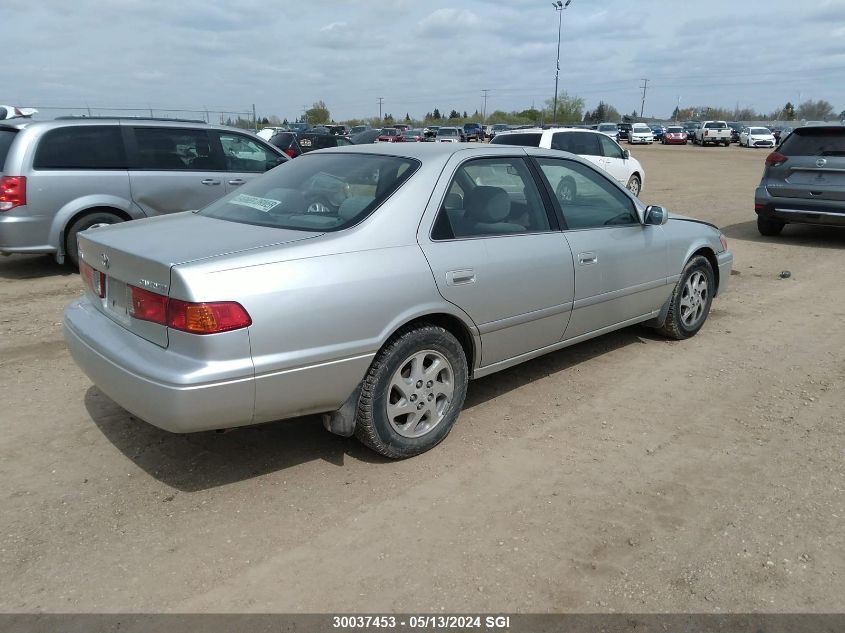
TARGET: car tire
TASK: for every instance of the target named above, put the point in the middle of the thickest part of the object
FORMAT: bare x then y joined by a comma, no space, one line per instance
97,218
769,227
691,299
634,185
399,373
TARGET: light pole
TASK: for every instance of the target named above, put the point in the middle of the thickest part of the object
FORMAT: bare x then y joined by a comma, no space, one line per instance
559,7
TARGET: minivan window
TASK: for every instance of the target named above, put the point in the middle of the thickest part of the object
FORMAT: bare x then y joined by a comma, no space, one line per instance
316,192
169,149
246,155
814,141
529,139
6,138
81,147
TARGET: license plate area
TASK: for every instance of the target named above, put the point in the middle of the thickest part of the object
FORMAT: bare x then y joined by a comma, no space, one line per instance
117,300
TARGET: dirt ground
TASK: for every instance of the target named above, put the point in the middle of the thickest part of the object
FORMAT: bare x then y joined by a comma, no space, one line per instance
627,473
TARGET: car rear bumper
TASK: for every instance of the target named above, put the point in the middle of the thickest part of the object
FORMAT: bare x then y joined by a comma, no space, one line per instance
21,233
799,210
157,385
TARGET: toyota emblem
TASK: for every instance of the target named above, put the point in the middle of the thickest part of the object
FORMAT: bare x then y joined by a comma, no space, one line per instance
104,259
821,162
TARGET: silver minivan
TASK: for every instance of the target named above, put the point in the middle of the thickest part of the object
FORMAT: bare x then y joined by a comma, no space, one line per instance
60,177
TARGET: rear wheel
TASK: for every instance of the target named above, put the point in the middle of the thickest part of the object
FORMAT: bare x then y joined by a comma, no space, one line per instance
769,227
413,392
90,221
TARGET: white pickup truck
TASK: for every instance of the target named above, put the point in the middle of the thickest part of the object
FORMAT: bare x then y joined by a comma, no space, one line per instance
716,132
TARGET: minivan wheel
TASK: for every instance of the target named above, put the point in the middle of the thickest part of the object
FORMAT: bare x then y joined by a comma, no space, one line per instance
92,220
769,227
690,302
412,393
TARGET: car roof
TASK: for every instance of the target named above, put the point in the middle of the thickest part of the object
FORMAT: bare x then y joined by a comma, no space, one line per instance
82,121
539,130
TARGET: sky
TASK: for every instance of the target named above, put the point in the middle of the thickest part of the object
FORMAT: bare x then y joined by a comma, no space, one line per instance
283,55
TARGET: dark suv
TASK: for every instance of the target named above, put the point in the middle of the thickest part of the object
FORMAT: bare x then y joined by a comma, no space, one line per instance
803,181
295,144
624,131
473,132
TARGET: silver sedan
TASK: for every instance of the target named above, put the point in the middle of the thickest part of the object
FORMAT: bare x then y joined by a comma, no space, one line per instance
426,266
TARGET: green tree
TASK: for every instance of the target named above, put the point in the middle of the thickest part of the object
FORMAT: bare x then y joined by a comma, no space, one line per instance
842,115
465,114
407,117
789,111
569,109
454,114
436,115
318,113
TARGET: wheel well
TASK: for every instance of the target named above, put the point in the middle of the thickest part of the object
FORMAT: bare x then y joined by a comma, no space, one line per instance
118,212
714,263
456,328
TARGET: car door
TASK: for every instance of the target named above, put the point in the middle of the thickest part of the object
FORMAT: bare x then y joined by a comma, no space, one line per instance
245,158
615,162
497,253
173,169
620,264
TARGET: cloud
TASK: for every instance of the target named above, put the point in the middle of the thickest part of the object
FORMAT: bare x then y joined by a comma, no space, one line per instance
447,22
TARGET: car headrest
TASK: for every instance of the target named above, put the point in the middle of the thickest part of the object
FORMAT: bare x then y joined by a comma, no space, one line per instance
453,201
353,205
488,204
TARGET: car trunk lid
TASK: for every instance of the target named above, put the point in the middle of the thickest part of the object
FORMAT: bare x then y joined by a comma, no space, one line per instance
142,254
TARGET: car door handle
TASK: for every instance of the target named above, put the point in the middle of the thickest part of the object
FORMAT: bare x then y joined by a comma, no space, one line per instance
459,277
210,181
236,181
587,258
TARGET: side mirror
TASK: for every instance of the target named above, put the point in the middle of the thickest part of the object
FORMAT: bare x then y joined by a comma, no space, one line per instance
655,216
626,154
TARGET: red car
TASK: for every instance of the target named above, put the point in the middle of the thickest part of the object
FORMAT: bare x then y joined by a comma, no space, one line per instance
674,135
390,135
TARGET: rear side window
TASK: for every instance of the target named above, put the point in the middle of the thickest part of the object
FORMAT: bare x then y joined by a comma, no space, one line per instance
530,139
815,141
81,147
174,149
244,154
6,138
582,143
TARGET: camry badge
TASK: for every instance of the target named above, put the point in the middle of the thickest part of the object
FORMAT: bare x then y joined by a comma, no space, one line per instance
821,162
104,260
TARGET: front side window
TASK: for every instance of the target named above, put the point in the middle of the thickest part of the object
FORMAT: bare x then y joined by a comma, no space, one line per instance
175,149
243,154
581,143
81,147
316,192
588,200
609,148
489,197
524,139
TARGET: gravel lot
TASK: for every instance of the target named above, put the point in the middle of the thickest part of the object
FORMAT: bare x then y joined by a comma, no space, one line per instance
627,473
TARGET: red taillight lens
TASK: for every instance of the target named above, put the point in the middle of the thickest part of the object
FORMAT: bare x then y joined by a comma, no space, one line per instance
776,158
724,241
290,152
207,318
12,192
148,306
195,318
94,279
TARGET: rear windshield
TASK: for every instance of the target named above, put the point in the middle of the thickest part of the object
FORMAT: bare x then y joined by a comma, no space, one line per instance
6,138
531,139
815,141
715,125
674,130
317,192
608,127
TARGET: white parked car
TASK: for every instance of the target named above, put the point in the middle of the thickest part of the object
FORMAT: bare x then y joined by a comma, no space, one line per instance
756,137
640,133
11,112
596,147
449,135
269,132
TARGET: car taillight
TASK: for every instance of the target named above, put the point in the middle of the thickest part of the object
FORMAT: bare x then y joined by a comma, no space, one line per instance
724,241
290,152
94,279
195,318
12,192
776,158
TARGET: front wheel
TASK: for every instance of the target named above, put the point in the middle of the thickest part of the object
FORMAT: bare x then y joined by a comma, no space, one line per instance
634,185
690,302
413,392
90,221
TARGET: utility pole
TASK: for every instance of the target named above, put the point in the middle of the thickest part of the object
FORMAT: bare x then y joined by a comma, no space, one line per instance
380,102
254,121
642,107
559,6
484,111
